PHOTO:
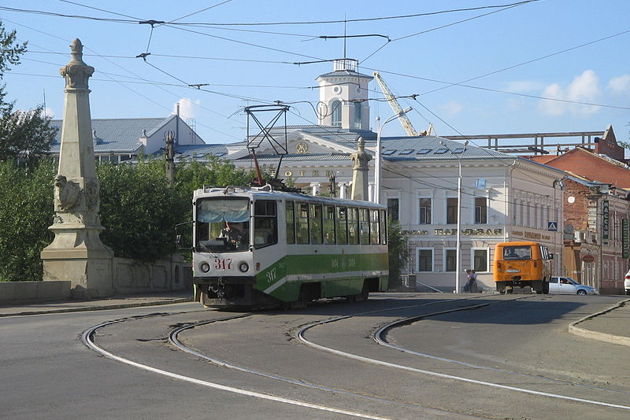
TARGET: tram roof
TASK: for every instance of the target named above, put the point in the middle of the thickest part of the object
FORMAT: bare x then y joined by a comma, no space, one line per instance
261,193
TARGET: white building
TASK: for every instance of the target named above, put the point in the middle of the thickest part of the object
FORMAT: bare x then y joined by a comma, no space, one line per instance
502,197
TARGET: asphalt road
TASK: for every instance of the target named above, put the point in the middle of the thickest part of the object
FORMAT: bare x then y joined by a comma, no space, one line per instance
454,357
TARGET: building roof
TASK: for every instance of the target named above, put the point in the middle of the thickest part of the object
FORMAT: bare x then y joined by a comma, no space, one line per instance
115,134
593,167
432,147
197,151
344,73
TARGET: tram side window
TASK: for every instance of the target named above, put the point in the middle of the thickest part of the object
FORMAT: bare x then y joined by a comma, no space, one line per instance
316,223
290,215
342,225
353,225
383,227
265,223
374,239
329,225
364,226
301,223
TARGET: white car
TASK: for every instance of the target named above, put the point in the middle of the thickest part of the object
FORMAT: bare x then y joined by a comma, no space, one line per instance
626,283
568,286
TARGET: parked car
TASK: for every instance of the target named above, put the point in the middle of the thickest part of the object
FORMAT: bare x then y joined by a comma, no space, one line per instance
626,283
568,286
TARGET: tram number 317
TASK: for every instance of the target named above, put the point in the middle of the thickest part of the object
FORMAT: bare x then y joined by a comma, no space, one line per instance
222,264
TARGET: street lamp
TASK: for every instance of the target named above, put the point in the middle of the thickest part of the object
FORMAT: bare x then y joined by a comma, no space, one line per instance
377,172
459,215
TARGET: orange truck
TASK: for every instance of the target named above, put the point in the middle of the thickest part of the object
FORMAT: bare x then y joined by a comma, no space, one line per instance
522,264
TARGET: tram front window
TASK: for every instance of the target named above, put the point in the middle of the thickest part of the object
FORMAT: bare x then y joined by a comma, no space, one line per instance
222,225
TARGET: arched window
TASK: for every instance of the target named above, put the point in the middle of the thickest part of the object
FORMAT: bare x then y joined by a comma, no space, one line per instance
357,116
335,110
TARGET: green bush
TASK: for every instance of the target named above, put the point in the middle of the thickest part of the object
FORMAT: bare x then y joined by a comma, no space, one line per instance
139,209
26,211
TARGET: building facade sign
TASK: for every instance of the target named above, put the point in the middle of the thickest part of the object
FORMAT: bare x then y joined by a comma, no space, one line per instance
532,235
605,220
453,232
625,237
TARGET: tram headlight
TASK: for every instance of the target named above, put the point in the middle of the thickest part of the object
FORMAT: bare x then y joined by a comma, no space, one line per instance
205,267
244,267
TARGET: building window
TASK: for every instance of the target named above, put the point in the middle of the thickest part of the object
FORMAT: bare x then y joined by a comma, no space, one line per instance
451,210
425,259
357,116
450,260
425,211
481,210
480,260
392,209
335,112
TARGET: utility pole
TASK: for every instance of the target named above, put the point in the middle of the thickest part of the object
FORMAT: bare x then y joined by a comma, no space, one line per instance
169,152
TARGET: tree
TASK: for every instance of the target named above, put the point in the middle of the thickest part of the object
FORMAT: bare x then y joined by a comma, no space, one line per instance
24,135
398,253
26,212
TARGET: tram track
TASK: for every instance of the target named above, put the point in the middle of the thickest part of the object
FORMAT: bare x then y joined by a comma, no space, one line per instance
88,339
378,337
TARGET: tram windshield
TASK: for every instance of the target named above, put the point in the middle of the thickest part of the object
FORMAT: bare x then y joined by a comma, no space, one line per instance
222,225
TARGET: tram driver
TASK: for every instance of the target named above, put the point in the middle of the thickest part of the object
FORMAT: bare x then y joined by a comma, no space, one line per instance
232,235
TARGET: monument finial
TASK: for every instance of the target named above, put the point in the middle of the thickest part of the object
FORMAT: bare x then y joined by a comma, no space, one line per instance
76,72
77,49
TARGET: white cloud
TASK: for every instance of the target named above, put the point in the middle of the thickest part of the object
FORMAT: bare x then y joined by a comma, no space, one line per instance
583,88
620,85
188,108
49,112
452,108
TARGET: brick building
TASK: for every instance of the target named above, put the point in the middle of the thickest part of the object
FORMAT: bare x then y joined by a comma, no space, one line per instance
597,213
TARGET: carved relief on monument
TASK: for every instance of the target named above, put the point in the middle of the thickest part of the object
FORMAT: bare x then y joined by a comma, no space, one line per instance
91,194
67,194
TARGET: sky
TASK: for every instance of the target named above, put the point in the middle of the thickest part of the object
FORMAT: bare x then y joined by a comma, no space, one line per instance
537,66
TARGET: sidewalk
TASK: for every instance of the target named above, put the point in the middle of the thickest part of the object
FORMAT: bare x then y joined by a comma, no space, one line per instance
118,302
611,325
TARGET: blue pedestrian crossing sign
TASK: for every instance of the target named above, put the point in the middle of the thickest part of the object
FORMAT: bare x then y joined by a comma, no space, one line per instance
552,226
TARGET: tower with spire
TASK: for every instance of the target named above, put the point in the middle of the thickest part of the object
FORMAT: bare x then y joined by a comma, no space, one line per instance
343,96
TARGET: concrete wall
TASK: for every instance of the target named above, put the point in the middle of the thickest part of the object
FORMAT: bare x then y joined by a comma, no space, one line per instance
14,292
130,277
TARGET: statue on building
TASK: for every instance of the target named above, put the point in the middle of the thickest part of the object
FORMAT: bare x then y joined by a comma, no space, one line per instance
360,160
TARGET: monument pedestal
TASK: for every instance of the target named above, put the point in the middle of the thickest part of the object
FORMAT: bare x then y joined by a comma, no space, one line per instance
77,255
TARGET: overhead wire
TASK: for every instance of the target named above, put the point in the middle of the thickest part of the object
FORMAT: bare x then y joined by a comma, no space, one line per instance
504,8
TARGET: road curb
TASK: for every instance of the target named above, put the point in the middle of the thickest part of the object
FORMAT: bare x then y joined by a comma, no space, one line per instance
596,335
98,308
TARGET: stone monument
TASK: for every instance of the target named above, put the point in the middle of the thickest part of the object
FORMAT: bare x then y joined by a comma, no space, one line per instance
77,253
360,160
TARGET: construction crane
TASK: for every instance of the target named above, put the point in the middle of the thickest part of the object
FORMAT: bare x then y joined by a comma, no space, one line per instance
402,116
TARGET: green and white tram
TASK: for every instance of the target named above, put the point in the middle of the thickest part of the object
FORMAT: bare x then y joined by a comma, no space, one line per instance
257,247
